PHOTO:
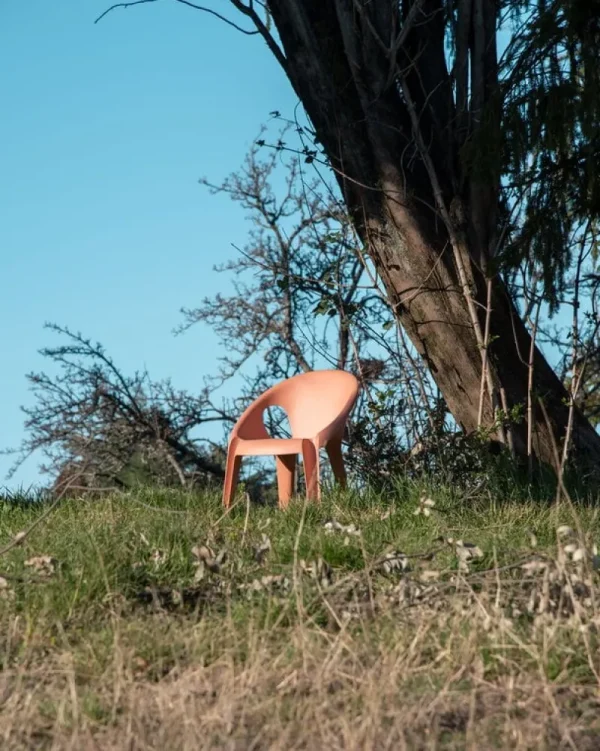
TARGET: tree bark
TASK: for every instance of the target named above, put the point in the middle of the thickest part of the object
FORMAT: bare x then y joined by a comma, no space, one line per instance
358,67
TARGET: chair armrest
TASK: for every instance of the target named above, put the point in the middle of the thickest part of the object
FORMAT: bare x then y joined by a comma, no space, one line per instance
335,429
250,424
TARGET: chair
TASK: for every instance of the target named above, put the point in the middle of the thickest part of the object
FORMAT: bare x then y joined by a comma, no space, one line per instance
317,405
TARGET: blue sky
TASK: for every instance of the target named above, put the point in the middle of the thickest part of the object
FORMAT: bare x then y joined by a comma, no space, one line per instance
105,131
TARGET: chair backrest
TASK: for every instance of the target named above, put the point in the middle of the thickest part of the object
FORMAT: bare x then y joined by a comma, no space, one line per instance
314,400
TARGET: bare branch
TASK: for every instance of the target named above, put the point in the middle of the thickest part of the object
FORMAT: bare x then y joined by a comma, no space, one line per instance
211,12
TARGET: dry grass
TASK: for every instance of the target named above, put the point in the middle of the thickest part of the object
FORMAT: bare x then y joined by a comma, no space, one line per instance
132,637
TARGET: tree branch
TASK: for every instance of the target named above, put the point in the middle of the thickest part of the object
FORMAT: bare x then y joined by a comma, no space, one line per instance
214,13
263,31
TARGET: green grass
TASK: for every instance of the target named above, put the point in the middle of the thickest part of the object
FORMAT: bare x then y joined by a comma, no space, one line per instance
120,643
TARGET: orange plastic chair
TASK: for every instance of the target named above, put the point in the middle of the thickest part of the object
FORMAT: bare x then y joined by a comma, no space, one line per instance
317,405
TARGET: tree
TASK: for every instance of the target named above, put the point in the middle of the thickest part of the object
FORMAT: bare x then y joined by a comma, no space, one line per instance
423,143
93,423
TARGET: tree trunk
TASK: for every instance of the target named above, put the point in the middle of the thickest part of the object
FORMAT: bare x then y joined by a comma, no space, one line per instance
393,133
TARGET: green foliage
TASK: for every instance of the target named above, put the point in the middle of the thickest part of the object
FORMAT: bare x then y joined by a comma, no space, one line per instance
550,82
442,455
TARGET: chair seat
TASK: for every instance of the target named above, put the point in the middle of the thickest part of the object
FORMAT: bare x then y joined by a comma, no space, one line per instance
269,447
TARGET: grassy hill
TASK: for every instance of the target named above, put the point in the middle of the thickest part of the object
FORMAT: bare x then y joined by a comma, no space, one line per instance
152,620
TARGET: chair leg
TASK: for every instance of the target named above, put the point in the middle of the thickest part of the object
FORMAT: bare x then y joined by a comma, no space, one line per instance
286,471
232,472
310,457
334,451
